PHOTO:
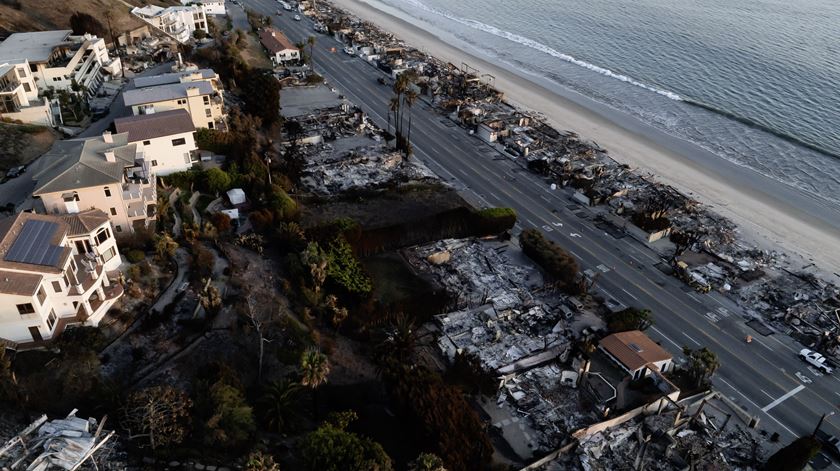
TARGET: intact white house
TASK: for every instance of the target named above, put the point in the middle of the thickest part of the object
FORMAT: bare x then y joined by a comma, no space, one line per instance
179,22
104,172
198,92
54,272
56,59
33,63
636,354
166,137
279,48
211,7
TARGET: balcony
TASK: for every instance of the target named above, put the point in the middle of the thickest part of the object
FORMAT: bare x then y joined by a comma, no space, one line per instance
89,271
136,210
9,87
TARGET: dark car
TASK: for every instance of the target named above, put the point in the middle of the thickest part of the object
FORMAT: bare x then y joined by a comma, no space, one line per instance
381,81
831,444
16,172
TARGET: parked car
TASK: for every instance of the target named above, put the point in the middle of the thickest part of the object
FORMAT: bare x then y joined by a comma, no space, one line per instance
349,51
297,17
381,81
816,360
16,171
831,444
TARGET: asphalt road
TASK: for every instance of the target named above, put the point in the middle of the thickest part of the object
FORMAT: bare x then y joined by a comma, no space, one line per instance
765,377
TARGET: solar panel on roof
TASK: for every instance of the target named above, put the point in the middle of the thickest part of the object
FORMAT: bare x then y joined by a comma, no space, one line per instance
33,244
635,347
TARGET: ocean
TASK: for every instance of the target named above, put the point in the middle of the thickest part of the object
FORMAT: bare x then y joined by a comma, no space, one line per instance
756,82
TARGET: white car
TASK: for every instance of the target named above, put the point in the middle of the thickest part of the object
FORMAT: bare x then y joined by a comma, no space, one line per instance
815,359
297,17
349,51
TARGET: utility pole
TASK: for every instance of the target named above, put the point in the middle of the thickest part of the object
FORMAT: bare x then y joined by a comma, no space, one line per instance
828,414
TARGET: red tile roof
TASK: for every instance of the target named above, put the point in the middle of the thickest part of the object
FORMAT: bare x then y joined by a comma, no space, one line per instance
275,41
634,349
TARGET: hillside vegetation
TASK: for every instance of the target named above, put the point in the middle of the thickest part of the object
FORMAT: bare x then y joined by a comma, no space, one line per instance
41,15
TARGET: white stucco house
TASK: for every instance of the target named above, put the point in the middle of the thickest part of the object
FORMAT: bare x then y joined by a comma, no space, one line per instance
167,138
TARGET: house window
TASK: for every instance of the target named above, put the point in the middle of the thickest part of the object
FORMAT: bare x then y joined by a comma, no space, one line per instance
111,253
146,143
103,234
51,320
33,68
208,113
27,87
118,228
56,79
107,192
210,125
25,308
65,279
21,72
154,163
82,246
73,266
206,100
113,211
179,142
42,295
181,102
56,286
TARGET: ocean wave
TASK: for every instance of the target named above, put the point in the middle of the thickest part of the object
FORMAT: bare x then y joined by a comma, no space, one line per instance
755,124
542,48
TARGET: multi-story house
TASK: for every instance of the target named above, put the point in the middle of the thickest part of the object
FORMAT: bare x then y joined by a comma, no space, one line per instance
179,22
57,59
19,96
211,7
166,137
104,172
199,93
54,272
279,48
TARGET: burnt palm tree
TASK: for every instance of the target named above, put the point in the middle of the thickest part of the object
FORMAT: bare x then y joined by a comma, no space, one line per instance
410,99
310,41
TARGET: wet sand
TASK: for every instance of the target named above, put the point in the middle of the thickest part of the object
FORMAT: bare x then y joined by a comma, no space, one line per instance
770,214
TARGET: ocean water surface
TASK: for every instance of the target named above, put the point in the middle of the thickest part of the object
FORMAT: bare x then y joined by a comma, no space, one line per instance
755,81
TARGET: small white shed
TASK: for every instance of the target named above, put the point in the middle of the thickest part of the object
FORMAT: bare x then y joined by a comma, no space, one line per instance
236,196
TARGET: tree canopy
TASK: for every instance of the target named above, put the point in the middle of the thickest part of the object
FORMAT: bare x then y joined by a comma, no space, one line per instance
630,319
332,448
795,456
702,365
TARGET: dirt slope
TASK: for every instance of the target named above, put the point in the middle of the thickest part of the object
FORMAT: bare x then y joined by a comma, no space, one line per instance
42,15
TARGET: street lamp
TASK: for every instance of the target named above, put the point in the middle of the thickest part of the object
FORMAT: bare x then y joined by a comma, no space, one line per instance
828,414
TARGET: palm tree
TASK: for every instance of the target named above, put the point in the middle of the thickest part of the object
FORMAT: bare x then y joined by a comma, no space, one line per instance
410,98
311,42
427,462
314,369
278,405
393,107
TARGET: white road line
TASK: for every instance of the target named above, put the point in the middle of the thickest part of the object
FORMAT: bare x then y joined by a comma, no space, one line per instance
629,294
679,347
689,338
573,253
530,222
783,398
766,393
756,405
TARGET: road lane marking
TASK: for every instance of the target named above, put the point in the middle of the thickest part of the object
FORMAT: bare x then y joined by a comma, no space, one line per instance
689,338
753,403
783,398
629,294
666,337
766,393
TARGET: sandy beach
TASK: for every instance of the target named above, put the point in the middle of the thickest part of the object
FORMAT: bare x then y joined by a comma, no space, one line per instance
768,213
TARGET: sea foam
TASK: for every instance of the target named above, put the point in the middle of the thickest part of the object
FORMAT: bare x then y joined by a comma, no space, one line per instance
541,47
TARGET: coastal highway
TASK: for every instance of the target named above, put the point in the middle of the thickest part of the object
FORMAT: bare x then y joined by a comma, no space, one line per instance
765,377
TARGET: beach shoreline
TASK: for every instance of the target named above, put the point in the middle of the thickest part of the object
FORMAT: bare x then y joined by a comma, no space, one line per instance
769,214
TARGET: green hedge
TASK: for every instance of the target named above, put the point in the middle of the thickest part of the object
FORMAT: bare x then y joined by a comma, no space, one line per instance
555,262
491,221
135,256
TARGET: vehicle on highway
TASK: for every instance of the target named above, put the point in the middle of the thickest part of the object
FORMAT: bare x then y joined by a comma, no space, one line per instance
349,51
830,443
381,81
297,17
279,12
816,360
16,171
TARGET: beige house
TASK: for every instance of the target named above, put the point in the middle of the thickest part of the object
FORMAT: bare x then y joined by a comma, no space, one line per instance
106,173
178,22
54,272
199,93
166,137
19,95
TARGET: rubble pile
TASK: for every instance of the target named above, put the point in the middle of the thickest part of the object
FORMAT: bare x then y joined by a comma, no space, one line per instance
67,444
366,168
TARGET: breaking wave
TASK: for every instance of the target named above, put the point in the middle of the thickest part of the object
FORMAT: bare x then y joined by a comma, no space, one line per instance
542,48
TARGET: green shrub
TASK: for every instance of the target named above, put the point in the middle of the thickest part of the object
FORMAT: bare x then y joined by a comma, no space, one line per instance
555,262
345,270
214,180
135,256
495,220
214,140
